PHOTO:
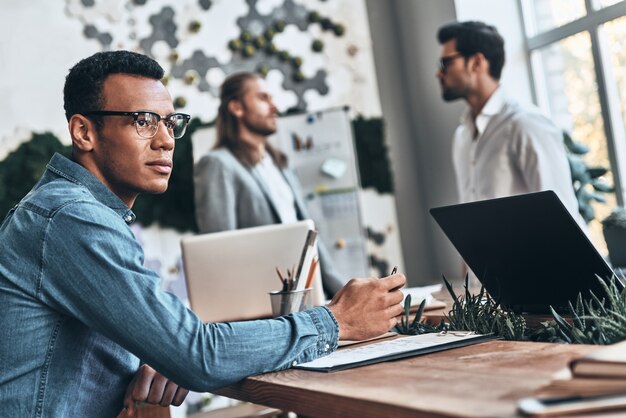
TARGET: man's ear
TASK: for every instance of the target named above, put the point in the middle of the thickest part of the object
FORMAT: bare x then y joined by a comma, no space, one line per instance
479,63
83,132
236,108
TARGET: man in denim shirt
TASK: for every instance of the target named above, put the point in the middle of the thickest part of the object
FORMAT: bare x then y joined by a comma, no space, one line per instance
78,310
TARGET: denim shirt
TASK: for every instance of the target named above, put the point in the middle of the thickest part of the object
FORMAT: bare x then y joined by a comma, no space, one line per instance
79,311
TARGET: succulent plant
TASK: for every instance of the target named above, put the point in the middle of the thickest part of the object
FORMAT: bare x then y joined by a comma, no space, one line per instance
284,55
248,50
180,101
235,45
263,70
296,62
339,29
416,326
279,26
617,219
194,26
298,76
317,45
482,314
260,42
314,17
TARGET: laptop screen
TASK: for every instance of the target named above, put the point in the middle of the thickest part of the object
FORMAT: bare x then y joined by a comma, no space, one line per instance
527,250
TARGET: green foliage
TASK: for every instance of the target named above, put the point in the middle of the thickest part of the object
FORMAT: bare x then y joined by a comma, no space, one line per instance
587,182
594,321
372,154
415,326
547,332
482,314
248,45
22,168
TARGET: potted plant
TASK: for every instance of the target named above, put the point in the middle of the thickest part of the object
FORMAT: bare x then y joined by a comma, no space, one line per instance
589,186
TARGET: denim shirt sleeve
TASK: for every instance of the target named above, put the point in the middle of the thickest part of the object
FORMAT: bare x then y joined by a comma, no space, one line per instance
92,269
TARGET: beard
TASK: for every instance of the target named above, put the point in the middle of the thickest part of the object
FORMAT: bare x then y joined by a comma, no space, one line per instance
260,127
459,89
450,94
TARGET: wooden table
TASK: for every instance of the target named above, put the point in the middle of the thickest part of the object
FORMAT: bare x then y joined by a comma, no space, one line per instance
482,380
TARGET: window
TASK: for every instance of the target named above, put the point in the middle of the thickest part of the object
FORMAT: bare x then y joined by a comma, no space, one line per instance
577,51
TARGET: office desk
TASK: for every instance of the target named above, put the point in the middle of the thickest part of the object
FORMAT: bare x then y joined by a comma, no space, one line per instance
482,380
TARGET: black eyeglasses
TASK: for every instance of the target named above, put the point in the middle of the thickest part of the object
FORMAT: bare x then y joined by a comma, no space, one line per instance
445,61
147,123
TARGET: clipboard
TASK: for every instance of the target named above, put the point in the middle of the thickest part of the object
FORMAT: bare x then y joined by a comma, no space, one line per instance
409,346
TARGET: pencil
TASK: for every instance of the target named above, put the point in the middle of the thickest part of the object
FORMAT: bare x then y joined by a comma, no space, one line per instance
280,276
312,269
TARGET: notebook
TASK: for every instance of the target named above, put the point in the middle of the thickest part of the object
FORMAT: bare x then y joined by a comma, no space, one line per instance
229,274
527,250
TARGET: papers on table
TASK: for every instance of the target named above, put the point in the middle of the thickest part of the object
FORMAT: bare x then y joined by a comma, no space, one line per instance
391,350
418,294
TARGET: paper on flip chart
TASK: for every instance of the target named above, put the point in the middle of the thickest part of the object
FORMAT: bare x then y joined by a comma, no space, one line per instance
417,344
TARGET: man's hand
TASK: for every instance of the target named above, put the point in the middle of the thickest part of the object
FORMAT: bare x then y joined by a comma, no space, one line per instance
366,308
150,386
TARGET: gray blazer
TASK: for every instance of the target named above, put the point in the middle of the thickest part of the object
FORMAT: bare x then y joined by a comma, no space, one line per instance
229,195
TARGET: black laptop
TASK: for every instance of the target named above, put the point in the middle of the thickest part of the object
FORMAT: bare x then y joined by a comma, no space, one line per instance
527,250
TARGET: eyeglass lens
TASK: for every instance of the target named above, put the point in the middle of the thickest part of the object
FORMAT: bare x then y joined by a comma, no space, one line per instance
147,124
445,61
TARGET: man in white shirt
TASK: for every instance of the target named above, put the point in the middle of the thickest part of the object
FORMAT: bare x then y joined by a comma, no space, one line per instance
500,148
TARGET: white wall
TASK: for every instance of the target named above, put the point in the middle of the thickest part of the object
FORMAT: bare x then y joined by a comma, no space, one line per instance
40,40
506,16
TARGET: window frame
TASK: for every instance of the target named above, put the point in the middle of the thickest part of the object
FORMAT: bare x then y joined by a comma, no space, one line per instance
610,105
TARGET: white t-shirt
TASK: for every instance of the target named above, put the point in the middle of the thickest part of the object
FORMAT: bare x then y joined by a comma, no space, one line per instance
280,191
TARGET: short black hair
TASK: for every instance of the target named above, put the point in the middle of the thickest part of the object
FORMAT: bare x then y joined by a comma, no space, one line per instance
83,85
473,37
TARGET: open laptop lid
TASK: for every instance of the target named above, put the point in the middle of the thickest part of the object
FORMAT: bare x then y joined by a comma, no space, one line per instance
527,250
229,274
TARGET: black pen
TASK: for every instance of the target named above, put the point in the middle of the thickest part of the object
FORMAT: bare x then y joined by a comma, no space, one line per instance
394,271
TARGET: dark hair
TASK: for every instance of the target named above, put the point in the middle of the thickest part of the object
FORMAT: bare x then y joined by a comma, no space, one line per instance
473,37
227,125
83,85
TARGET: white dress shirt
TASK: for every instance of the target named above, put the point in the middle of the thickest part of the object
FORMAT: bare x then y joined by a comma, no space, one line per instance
511,150
282,195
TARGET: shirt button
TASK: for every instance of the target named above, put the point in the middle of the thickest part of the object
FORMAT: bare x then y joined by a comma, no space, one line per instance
326,347
128,218
294,364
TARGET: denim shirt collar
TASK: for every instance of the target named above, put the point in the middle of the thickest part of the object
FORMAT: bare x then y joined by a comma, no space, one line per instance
76,173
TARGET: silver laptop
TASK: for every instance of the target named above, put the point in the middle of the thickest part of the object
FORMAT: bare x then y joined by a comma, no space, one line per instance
229,274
